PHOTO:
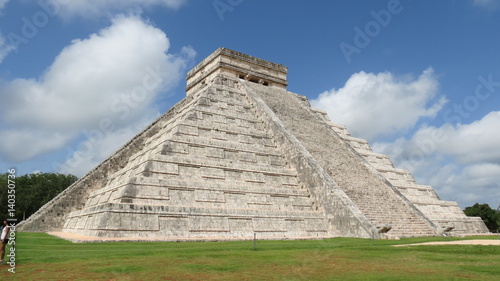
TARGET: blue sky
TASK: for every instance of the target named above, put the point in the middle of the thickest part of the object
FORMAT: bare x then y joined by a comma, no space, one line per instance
419,79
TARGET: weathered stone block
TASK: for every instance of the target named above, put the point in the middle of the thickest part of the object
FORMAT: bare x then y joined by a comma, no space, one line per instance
208,224
212,173
253,177
209,196
187,130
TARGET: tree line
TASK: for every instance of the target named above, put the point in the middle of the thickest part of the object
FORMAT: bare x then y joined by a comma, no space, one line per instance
32,191
491,217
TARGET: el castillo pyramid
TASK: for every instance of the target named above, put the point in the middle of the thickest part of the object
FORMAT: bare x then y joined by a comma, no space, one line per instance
238,156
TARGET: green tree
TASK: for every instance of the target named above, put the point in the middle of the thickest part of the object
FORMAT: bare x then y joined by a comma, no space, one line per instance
490,216
32,191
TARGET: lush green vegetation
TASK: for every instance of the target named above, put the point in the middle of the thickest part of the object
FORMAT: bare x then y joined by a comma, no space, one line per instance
490,217
32,191
43,257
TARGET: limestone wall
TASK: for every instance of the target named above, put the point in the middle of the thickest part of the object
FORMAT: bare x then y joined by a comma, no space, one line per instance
52,216
234,64
213,173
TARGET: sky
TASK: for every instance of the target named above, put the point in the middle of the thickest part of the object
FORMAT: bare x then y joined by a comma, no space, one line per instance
420,80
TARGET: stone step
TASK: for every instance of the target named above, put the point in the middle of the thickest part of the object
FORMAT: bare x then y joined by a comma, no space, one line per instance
243,145
191,161
173,210
253,131
222,186
246,116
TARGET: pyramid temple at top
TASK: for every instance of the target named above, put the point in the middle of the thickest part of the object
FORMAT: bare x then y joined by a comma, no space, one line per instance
238,156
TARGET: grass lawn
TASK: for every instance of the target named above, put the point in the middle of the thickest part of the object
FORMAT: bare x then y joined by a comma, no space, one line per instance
43,257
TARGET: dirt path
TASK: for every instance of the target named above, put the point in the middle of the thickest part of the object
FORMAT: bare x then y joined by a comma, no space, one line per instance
495,242
82,238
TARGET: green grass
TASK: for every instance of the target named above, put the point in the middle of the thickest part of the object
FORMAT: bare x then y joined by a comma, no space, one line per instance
43,257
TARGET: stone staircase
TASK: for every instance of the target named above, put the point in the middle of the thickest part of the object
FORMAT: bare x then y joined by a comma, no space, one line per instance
372,194
442,213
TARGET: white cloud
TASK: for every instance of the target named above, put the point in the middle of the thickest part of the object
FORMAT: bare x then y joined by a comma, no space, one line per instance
3,3
91,8
98,146
488,4
376,105
25,143
476,142
461,162
5,48
105,82
477,183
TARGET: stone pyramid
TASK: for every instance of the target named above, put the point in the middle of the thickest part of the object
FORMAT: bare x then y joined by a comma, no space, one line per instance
238,156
